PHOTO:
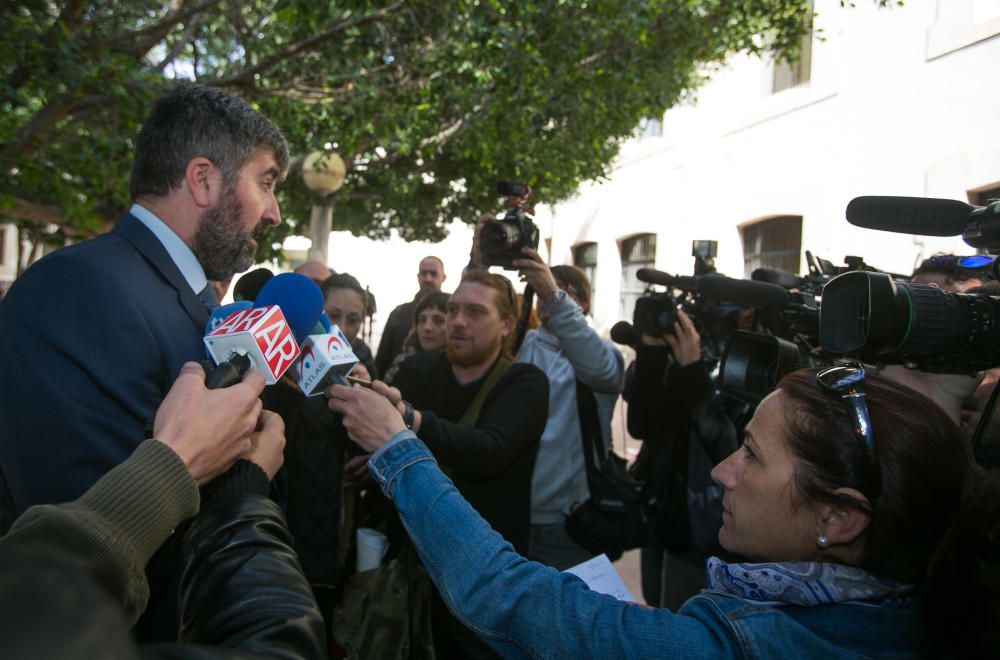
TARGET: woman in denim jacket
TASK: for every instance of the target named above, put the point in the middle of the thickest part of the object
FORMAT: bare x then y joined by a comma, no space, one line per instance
847,495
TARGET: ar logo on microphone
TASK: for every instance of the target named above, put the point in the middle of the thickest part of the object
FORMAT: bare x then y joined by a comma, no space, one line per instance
277,343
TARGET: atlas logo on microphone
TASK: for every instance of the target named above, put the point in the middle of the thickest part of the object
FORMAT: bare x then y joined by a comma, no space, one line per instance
325,358
263,334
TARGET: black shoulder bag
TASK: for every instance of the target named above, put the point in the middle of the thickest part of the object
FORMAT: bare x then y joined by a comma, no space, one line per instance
612,519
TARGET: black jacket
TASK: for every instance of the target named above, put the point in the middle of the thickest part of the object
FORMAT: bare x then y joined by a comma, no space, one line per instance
686,430
242,587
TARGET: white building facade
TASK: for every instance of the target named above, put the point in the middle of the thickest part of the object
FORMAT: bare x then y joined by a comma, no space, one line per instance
891,101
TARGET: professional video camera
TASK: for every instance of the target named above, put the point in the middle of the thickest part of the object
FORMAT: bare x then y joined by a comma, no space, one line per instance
500,241
656,311
787,336
881,320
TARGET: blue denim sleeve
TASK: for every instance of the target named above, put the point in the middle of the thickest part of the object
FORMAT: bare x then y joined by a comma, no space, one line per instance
523,609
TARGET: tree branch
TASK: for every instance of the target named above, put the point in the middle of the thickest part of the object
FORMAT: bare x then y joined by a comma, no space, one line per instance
41,214
140,42
246,76
67,20
190,30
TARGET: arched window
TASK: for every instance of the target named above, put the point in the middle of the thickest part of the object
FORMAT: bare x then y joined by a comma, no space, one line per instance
585,258
772,243
637,252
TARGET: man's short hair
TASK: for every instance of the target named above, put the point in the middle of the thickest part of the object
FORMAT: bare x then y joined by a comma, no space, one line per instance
191,121
949,266
575,278
437,259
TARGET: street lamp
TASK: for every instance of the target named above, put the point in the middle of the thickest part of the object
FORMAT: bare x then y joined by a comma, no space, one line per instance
323,173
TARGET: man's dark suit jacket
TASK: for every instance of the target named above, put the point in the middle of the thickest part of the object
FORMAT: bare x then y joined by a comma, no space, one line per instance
91,338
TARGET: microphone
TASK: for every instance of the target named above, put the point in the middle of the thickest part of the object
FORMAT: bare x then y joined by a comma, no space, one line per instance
910,215
742,292
624,333
782,278
221,313
322,326
262,335
300,300
249,285
326,359
653,276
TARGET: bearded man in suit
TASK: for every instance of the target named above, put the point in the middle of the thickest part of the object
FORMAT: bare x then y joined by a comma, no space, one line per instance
93,335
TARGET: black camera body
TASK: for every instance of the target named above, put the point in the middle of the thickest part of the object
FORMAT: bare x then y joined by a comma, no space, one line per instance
655,314
501,241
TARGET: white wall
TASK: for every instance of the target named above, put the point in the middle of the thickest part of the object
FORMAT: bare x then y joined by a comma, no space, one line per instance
888,110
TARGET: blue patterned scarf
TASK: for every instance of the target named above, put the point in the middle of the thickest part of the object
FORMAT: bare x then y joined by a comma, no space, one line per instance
805,583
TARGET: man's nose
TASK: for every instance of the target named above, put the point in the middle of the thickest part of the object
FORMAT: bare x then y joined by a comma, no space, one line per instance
273,213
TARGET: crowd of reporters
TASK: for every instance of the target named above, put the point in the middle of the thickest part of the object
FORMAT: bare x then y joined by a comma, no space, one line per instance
795,502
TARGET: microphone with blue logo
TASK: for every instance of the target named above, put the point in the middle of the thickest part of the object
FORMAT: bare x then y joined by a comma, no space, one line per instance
327,358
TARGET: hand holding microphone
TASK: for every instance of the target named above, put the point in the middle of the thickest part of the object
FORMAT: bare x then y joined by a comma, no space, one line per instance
208,430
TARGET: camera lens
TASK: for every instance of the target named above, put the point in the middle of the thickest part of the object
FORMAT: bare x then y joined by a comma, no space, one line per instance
496,236
878,319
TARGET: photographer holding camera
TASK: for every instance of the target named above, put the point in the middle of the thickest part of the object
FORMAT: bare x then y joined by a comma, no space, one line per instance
675,409
579,366
577,362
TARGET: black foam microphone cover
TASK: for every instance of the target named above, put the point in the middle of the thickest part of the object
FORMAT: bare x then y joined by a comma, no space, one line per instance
745,293
624,333
925,216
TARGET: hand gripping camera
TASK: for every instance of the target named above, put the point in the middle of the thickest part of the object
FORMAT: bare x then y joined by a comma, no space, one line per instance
500,241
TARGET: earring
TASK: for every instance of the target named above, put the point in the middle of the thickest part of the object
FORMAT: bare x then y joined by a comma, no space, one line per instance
822,541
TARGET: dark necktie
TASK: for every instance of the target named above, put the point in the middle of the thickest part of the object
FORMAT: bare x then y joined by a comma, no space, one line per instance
208,298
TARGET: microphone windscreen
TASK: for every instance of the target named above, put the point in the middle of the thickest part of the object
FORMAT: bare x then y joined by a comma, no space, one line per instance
742,292
782,278
298,297
624,333
910,215
249,284
653,276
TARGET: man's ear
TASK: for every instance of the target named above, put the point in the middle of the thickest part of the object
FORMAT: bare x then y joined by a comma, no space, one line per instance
203,181
842,525
508,325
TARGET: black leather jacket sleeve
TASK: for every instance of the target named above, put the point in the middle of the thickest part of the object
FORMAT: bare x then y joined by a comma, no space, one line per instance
242,586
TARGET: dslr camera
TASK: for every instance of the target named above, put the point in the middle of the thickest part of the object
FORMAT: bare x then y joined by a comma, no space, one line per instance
500,241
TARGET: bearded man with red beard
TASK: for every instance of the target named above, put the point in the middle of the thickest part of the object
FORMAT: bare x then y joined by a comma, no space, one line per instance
490,459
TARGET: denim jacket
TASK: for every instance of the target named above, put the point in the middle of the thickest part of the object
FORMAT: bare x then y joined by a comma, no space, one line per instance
523,609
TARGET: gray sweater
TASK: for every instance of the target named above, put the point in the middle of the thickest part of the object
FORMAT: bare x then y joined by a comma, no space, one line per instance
565,349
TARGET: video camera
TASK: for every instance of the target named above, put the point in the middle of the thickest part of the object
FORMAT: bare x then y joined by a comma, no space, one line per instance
500,241
656,311
881,320
786,338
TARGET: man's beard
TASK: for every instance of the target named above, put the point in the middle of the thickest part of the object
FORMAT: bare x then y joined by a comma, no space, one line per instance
473,356
221,244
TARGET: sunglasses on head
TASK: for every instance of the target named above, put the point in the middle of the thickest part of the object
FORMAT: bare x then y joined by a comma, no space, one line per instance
974,262
847,382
